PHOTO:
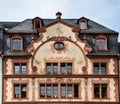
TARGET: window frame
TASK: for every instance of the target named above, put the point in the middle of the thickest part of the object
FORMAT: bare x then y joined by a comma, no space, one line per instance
16,37
59,68
20,96
59,85
100,90
101,37
45,90
20,68
59,45
83,20
100,68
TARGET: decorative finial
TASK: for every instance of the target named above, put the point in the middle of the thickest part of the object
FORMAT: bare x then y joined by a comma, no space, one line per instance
58,15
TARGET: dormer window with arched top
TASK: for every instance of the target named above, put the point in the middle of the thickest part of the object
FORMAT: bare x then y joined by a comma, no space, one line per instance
16,43
101,43
83,23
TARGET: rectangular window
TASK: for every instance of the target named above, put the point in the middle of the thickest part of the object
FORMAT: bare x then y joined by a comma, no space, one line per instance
100,91
63,91
69,91
66,90
52,68
66,68
20,68
42,91
63,68
55,91
19,90
48,91
99,68
82,25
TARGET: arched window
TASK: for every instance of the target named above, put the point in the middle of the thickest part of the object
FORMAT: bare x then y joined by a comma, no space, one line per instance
16,44
101,43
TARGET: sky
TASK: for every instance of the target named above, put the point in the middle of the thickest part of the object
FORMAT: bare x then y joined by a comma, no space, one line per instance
104,12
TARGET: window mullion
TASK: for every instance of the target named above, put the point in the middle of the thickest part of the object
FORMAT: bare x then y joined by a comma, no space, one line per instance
20,90
45,91
100,88
66,91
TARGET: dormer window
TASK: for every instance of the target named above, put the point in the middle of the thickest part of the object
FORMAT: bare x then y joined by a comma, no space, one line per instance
37,23
16,43
101,43
83,23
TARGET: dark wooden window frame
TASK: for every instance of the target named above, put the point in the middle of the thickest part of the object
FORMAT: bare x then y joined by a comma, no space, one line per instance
59,68
20,84
45,91
66,91
100,91
16,37
59,89
101,37
100,68
20,67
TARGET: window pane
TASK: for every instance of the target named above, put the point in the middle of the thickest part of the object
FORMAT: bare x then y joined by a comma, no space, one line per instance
59,45
55,91
104,91
69,68
42,90
16,44
63,69
23,68
100,43
16,91
63,91
23,91
17,68
82,25
96,68
48,68
103,68
55,68
49,91
96,91
69,90
76,90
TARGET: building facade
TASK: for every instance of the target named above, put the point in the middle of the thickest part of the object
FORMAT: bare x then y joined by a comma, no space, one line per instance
59,61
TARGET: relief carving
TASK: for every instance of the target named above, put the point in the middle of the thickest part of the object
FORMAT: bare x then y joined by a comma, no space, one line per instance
30,48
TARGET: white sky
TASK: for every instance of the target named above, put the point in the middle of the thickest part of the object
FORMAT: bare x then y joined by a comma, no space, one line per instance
105,12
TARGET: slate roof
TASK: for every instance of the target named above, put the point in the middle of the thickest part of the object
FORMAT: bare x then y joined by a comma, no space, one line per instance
8,24
27,27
